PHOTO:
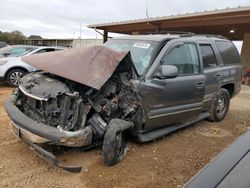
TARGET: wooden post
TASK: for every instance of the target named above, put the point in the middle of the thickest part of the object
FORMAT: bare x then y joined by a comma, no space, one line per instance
245,55
105,36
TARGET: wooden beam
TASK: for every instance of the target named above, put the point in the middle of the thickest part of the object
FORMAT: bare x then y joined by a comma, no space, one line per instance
105,36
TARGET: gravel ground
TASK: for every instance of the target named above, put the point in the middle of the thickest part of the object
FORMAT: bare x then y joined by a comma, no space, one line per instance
167,162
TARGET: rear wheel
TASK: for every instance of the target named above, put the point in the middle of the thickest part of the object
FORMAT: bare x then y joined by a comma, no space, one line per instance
14,76
220,106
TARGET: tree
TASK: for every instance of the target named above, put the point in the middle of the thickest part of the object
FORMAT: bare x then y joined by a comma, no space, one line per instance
3,37
14,37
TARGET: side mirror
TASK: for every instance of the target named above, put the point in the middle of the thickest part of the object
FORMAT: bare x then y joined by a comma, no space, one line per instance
167,71
6,54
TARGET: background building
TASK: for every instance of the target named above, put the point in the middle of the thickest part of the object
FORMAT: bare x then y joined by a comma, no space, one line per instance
72,43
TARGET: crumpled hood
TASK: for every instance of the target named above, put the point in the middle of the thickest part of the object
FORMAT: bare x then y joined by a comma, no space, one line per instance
91,66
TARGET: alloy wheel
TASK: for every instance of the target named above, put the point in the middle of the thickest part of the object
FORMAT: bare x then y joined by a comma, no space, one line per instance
15,78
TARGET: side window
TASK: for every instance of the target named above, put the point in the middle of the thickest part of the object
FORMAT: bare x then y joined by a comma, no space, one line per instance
185,58
228,52
208,56
45,50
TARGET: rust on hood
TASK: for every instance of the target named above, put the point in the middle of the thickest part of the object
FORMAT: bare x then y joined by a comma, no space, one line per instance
91,66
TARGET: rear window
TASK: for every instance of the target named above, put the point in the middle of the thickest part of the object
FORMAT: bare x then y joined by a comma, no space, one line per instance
228,52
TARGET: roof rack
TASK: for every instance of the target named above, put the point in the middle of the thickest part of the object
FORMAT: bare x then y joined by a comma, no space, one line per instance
185,34
170,32
202,35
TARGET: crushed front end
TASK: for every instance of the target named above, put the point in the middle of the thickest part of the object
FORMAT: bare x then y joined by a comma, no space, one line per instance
48,109
73,100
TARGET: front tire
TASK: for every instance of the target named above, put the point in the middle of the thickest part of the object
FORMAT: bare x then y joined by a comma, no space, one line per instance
220,105
114,146
14,76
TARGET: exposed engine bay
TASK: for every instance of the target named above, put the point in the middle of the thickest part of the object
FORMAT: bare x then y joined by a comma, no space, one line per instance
71,106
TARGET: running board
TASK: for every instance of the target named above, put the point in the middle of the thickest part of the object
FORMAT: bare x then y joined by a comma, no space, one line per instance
158,133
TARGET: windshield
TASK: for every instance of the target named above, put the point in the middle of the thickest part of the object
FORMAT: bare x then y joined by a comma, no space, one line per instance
141,51
15,51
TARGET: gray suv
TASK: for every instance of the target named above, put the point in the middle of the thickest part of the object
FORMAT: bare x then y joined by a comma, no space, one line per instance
146,86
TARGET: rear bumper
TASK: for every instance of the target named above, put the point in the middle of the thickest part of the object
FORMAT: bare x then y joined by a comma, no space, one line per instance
44,133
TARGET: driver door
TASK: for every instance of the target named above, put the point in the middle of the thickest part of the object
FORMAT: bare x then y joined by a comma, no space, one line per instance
171,101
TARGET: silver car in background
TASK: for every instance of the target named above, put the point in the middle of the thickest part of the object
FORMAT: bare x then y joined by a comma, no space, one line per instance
3,44
12,68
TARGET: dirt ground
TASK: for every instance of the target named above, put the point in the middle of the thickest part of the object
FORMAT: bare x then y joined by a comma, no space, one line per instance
168,162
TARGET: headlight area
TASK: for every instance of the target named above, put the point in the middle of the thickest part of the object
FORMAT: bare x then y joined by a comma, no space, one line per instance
3,62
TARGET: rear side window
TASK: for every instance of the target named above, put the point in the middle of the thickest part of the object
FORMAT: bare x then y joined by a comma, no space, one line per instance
208,56
228,52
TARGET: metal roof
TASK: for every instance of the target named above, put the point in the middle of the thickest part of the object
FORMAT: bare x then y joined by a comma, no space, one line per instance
208,22
159,18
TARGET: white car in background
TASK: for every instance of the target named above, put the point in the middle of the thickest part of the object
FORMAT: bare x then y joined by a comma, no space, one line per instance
12,68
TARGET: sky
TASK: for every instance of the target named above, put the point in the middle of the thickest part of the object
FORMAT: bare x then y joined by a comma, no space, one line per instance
62,18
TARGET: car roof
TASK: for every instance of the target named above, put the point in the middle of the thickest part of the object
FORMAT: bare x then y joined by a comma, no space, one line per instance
150,37
45,47
162,37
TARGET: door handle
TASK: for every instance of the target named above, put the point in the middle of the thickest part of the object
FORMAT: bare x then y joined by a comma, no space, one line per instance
199,85
218,75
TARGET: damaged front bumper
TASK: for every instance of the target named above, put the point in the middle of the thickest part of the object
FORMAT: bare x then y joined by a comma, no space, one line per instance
41,133
45,155
34,133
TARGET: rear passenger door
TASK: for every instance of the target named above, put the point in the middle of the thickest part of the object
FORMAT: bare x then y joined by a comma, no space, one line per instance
212,71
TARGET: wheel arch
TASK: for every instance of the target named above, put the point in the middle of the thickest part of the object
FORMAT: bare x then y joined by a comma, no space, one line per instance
12,68
230,87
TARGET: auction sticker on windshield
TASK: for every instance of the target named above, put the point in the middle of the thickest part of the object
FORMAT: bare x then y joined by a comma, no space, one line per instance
141,45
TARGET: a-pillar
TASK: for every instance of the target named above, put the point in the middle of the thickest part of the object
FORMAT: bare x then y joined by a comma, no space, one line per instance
245,52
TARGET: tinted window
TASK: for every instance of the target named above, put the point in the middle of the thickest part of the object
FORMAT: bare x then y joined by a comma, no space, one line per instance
208,56
185,58
228,52
45,50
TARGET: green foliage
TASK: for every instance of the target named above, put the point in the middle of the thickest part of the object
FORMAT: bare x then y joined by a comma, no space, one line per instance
14,37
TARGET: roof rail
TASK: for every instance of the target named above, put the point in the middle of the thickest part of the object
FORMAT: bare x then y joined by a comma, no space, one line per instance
204,35
170,32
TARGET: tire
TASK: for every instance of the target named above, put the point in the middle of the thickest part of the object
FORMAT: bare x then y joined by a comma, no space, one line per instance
220,106
13,77
114,146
